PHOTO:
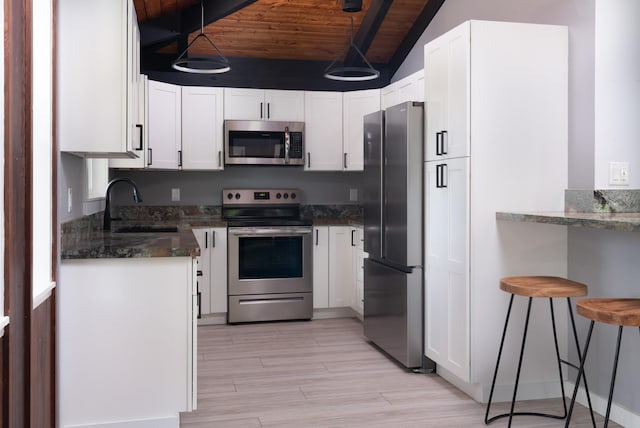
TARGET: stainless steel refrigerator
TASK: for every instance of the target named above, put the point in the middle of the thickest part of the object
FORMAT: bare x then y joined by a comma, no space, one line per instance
393,236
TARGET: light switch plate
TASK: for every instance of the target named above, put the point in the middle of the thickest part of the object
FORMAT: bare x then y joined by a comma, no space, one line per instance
619,173
353,195
175,195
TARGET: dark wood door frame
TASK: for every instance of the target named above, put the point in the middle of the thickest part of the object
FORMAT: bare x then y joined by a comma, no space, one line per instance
18,213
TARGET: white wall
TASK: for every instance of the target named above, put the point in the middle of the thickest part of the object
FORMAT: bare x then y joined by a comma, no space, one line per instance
617,90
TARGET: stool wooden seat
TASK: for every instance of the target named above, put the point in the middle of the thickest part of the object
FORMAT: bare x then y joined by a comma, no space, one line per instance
623,312
546,287
542,286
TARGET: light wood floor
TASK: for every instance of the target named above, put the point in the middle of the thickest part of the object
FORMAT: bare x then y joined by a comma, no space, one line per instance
324,373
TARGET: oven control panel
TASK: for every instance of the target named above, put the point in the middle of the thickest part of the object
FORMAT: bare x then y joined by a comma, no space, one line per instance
260,196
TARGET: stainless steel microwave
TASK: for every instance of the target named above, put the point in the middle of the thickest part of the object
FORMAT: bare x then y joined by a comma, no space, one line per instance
262,142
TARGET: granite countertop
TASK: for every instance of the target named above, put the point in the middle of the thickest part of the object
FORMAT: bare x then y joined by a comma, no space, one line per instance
337,221
105,245
625,222
84,238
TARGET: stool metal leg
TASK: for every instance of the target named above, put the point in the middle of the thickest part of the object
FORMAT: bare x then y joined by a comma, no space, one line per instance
580,374
555,342
495,373
512,413
584,375
524,340
613,377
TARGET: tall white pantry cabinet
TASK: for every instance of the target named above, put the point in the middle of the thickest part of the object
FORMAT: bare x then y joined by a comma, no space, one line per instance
496,140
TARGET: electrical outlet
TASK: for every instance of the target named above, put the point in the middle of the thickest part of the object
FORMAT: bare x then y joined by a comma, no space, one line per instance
619,173
175,195
353,195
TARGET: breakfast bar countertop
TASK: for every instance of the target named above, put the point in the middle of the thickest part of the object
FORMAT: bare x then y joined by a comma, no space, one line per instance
624,222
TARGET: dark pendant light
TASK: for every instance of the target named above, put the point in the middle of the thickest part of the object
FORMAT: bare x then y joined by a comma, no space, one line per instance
351,5
351,73
202,64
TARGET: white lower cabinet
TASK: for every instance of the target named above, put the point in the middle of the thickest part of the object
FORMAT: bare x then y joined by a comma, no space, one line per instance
358,256
337,267
321,267
212,269
127,337
341,285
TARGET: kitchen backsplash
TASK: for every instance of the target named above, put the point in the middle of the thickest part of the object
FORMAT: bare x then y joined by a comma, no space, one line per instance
599,201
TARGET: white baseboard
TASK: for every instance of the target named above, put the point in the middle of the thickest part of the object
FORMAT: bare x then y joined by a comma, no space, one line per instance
165,422
619,414
318,314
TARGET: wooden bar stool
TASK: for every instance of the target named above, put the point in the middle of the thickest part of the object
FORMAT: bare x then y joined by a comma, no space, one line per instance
620,312
538,286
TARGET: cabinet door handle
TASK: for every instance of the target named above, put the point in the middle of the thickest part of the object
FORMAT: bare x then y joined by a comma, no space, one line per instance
268,110
308,159
261,111
206,240
316,237
219,158
213,239
179,157
139,126
353,244
199,305
344,161
150,161
438,143
440,176
445,143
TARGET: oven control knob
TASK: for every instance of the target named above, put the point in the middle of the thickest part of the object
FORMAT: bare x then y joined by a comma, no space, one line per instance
278,195
286,196
229,195
293,195
237,195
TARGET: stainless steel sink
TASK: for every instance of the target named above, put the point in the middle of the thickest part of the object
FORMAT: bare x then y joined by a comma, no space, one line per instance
146,229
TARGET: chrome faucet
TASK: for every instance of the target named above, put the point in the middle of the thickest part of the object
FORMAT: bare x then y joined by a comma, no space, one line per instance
107,210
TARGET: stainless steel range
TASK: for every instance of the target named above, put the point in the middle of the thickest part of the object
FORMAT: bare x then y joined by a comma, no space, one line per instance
270,261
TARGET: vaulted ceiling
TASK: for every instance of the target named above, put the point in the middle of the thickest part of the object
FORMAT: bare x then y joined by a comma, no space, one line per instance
283,44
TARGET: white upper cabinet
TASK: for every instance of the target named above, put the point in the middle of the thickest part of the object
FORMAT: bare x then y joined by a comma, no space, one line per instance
356,105
323,131
140,147
97,97
202,138
410,88
261,104
447,88
165,127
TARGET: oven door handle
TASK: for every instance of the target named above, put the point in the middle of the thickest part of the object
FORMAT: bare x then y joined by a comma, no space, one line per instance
252,231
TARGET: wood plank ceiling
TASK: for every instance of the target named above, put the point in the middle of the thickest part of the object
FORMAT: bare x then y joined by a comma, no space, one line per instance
269,35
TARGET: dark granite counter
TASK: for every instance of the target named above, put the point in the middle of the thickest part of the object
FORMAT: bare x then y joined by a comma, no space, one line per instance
101,245
337,221
596,209
84,239
626,222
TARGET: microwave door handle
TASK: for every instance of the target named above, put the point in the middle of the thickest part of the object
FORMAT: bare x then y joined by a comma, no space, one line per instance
287,142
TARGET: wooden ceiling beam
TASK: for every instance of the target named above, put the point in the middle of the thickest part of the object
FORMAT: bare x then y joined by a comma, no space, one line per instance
419,26
368,29
159,32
